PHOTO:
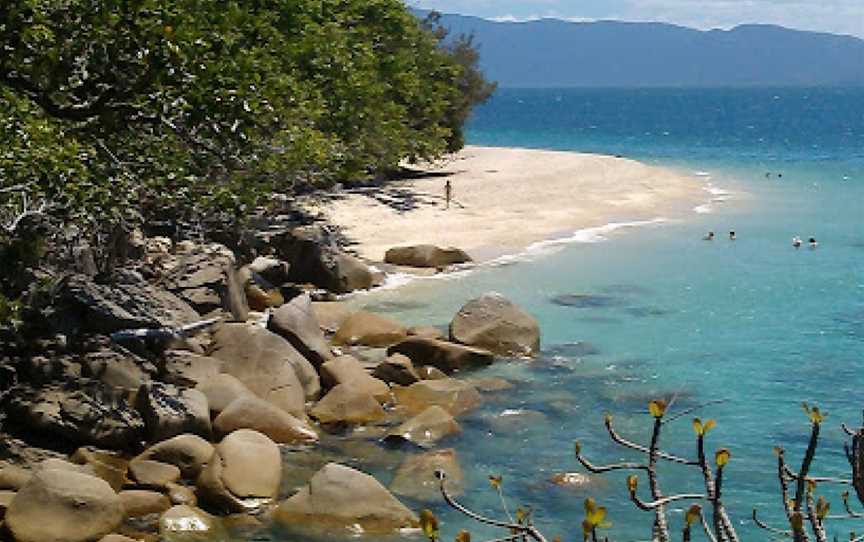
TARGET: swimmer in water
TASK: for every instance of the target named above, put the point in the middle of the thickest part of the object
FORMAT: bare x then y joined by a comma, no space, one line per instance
732,236
813,243
709,237
796,242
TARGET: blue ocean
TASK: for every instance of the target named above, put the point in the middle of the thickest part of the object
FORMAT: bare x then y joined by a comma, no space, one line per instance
750,328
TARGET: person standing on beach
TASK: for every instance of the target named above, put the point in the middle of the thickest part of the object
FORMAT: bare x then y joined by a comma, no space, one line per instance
448,193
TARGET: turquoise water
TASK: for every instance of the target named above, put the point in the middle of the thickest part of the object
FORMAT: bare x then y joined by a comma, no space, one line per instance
754,322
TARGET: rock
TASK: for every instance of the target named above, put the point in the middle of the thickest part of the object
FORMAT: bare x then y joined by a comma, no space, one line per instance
490,384
206,279
188,452
80,412
137,503
272,270
108,466
179,494
427,372
452,395
155,474
340,497
513,420
396,369
122,370
295,321
494,323
446,356
222,390
256,413
184,523
268,365
347,370
425,429
246,465
114,537
63,506
415,477
577,481
330,314
13,477
314,259
369,329
128,303
346,404
187,369
169,411
427,332
6,497
425,256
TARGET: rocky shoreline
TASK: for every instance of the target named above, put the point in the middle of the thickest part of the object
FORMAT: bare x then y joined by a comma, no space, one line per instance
200,392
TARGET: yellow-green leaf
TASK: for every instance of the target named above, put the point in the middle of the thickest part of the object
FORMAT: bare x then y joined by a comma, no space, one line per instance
632,483
495,481
822,507
692,515
429,524
722,457
463,536
597,516
657,408
709,425
697,427
590,506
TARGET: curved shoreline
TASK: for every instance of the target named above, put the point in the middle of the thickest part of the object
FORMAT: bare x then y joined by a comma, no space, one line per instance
509,200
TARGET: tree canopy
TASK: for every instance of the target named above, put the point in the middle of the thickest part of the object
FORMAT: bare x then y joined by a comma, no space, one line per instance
128,110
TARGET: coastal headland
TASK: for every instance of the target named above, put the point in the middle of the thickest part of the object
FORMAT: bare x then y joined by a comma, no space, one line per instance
505,199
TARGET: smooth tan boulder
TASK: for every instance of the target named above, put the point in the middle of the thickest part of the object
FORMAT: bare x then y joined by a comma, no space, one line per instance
6,497
13,477
268,365
578,482
155,474
448,357
348,370
246,464
111,468
415,477
114,537
330,314
369,329
452,395
426,256
188,452
346,404
169,411
137,502
63,506
256,413
340,497
427,332
427,372
494,323
396,369
295,322
189,524
425,429
188,369
179,494
222,390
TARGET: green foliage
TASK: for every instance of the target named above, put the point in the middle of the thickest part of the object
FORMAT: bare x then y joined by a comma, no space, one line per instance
118,112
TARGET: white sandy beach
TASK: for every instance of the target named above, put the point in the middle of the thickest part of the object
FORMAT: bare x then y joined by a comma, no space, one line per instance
505,199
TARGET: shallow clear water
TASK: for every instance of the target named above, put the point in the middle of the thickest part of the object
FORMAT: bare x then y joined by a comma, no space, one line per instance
752,322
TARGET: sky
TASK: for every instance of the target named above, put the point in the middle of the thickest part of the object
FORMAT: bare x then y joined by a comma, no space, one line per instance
835,16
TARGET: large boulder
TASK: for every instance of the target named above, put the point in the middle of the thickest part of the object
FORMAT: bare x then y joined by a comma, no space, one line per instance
331,314
153,474
396,369
341,497
129,302
117,369
454,396
426,256
347,370
111,467
188,452
184,523
369,329
448,357
140,502
79,412
206,278
63,506
496,324
268,365
245,465
349,405
169,411
415,477
256,413
425,429
295,321
313,258
222,390
188,369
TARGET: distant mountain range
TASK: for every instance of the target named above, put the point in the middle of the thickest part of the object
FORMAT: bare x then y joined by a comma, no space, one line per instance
555,53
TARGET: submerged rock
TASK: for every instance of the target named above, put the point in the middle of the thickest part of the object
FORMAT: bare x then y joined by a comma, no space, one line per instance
446,356
454,396
494,323
346,404
369,329
587,301
415,477
425,429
